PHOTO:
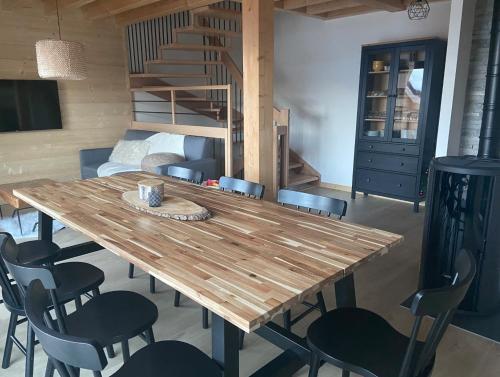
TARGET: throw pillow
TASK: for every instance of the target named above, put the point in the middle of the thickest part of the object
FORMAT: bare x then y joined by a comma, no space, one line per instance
163,142
152,161
129,152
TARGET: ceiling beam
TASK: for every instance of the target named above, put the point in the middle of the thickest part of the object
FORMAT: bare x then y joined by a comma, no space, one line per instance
73,3
347,12
388,5
106,8
329,6
158,9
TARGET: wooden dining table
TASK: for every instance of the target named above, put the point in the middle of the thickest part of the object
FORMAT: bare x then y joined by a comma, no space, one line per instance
251,261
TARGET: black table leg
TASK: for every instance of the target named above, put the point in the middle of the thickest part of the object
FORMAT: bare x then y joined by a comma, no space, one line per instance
44,226
225,346
345,292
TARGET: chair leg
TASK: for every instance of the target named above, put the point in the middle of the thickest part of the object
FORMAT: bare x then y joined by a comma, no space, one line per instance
314,366
204,314
19,221
78,303
110,351
177,298
152,285
321,303
125,351
345,373
8,341
30,352
241,339
287,320
150,338
49,370
131,271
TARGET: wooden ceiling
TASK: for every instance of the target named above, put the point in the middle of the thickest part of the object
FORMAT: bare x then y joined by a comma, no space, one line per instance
131,11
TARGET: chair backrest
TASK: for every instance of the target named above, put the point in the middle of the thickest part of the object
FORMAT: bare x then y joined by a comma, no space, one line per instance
186,174
24,274
9,293
321,204
69,350
241,186
440,303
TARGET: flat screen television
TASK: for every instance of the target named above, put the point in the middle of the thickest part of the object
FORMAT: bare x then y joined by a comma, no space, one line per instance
29,105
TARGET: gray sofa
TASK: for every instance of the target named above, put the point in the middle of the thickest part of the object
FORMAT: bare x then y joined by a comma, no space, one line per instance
198,152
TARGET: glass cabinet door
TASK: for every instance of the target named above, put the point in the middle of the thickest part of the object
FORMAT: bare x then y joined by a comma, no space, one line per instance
377,96
410,79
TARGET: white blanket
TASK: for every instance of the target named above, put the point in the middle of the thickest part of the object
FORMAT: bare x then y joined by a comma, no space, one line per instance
109,168
163,142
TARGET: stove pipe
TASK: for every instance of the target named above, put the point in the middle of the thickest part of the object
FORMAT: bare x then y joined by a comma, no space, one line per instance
489,139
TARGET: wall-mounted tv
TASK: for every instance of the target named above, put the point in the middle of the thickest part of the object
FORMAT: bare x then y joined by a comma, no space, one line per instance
29,105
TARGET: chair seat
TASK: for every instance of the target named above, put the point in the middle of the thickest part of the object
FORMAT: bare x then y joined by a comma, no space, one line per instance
112,317
76,278
360,341
37,252
169,358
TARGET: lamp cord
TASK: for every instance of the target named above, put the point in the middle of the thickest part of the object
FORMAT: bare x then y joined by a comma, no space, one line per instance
58,21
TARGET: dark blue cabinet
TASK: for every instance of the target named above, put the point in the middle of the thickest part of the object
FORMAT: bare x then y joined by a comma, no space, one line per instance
398,113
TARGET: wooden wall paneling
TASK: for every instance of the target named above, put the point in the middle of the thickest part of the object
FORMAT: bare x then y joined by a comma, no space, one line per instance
95,112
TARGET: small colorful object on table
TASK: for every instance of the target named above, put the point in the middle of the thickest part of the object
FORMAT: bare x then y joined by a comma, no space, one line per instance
211,183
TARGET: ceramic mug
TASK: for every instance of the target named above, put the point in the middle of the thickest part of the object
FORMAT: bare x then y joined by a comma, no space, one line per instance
378,65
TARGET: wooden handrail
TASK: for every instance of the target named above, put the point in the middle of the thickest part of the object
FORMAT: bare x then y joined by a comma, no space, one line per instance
225,133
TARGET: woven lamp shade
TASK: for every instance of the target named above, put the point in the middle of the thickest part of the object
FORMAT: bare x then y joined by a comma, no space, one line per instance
63,60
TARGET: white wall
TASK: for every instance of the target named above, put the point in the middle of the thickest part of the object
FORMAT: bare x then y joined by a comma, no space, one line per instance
317,67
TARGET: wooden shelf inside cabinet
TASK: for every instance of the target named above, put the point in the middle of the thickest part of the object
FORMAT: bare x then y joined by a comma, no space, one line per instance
375,119
405,120
377,96
378,72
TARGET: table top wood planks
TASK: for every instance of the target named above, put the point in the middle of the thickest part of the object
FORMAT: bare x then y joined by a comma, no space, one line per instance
6,191
250,261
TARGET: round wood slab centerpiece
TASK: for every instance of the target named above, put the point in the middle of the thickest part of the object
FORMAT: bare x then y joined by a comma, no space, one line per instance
172,207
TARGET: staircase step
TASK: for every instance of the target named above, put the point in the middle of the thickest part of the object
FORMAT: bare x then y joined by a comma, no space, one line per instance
295,165
300,179
192,47
184,62
168,75
226,14
207,31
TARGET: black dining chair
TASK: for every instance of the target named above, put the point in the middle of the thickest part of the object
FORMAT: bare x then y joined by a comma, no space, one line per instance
110,318
185,174
70,353
76,279
240,186
322,205
359,341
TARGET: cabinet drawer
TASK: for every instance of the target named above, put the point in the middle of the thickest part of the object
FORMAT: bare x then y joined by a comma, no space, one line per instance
386,183
402,164
388,148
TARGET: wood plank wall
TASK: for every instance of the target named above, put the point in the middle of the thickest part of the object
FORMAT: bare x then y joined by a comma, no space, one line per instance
95,112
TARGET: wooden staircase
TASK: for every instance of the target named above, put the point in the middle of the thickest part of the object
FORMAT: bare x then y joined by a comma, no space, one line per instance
184,62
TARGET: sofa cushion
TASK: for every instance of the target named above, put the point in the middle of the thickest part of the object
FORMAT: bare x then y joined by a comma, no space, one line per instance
164,142
90,170
109,168
152,161
129,152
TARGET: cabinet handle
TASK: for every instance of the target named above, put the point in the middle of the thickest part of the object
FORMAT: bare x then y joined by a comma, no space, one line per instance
368,179
370,160
403,149
371,147
400,185
402,164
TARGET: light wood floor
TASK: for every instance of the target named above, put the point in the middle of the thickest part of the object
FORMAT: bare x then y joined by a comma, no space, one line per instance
381,286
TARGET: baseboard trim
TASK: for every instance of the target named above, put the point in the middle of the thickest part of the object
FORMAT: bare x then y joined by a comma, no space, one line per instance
334,186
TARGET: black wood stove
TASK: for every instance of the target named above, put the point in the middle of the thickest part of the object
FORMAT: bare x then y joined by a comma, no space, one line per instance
463,211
